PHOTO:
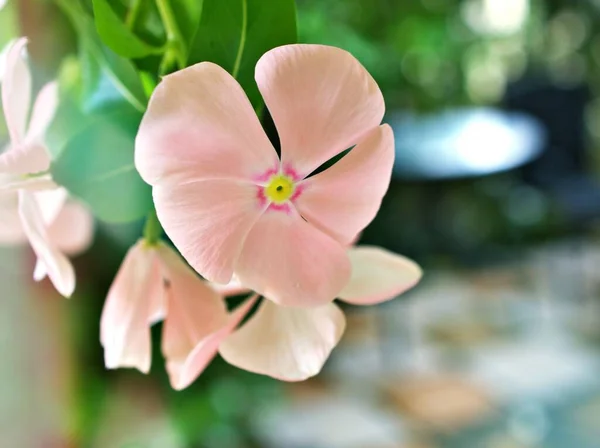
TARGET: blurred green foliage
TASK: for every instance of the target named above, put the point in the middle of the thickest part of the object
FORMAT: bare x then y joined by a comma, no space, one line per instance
103,173
428,54
117,35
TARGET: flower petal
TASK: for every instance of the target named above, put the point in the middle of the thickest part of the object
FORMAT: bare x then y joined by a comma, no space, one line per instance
378,275
200,124
290,344
16,91
344,199
35,183
322,101
208,222
195,311
291,262
186,363
51,202
44,109
58,266
27,158
40,271
125,321
233,288
73,229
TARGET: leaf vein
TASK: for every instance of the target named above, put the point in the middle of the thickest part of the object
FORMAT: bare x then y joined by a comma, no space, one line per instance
110,174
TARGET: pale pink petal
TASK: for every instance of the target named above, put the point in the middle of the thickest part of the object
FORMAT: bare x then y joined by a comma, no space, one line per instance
51,202
17,182
39,272
16,91
355,240
11,230
233,288
378,275
28,158
184,371
158,308
208,222
125,321
73,229
344,198
199,125
290,344
195,311
322,101
292,263
44,109
58,266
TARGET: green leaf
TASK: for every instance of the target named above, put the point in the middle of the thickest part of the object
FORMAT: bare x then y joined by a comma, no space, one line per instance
68,118
120,71
187,15
117,36
68,121
236,33
97,165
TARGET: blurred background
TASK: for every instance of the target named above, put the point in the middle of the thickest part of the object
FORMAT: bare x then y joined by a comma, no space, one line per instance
496,110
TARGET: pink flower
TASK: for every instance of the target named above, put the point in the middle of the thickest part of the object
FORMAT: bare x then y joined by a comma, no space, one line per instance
231,205
153,284
69,225
25,162
293,344
287,343
32,206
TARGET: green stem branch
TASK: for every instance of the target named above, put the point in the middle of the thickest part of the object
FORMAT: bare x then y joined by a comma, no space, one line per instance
133,14
175,40
152,229
242,45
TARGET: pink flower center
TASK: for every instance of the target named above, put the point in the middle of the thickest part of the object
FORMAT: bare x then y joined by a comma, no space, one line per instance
278,189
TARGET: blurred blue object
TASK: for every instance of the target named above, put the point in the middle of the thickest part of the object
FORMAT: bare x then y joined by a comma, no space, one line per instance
464,143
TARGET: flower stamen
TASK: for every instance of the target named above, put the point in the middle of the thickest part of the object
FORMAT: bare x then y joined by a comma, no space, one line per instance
279,189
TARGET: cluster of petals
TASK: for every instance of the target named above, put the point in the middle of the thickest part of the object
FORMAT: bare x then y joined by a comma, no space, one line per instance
293,343
234,207
153,284
32,207
288,343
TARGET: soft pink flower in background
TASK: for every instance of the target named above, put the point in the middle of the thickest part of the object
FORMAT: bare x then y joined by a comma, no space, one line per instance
32,206
232,206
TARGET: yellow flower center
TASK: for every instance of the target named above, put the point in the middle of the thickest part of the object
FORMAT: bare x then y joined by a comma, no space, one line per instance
279,189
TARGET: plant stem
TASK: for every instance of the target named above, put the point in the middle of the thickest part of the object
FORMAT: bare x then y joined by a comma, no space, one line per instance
133,14
152,229
242,45
175,39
